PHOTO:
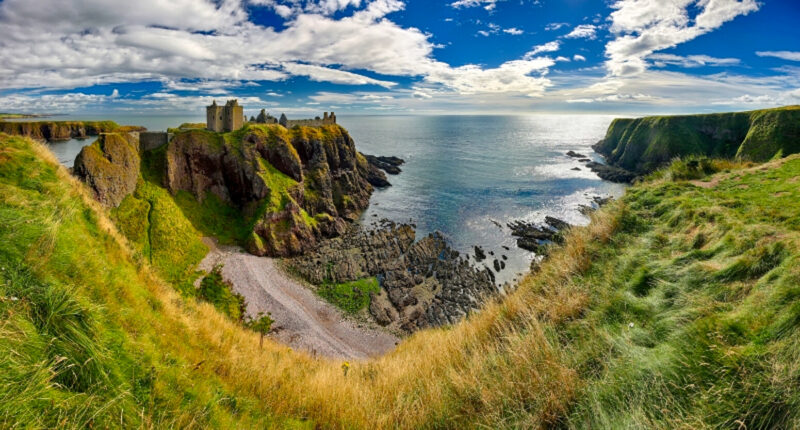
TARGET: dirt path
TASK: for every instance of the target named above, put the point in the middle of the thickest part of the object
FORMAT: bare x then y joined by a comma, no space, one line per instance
302,319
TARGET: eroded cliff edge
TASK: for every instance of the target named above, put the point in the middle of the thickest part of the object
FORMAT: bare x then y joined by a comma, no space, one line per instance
641,145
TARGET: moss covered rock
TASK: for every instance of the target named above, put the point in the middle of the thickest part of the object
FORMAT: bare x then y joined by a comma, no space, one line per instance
110,167
643,144
292,187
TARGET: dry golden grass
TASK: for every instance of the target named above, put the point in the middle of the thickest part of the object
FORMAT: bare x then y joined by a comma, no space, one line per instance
478,371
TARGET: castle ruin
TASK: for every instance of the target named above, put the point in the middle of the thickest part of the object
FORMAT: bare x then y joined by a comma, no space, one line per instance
224,118
231,118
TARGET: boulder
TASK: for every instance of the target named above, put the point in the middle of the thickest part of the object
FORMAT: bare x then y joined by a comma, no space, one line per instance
110,167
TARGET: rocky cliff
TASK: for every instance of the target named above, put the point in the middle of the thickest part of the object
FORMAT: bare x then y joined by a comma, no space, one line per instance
641,145
424,283
110,167
294,186
62,130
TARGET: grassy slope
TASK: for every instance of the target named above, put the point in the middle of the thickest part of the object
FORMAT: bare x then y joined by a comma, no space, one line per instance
677,307
643,144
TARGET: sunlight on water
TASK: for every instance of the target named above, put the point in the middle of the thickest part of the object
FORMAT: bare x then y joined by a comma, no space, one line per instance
464,175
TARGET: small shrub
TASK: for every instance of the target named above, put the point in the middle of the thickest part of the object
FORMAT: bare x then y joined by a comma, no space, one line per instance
262,325
219,292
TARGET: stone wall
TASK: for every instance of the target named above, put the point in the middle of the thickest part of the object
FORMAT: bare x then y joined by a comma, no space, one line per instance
153,139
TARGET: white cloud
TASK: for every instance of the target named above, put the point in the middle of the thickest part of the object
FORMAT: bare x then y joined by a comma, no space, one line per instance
513,31
510,77
547,47
555,26
486,4
643,27
325,74
661,60
583,31
578,57
783,55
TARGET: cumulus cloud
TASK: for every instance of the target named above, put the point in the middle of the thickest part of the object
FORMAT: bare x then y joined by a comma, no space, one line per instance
578,57
510,77
546,47
583,31
513,31
783,55
197,39
643,27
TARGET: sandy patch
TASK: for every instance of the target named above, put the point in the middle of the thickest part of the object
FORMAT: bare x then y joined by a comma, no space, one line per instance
302,319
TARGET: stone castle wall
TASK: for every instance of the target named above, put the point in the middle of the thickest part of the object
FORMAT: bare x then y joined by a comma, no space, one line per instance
153,139
308,122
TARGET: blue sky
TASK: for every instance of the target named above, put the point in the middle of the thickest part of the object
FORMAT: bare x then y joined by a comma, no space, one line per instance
392,56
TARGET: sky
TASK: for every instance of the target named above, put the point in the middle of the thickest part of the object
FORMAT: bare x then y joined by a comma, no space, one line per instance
399,57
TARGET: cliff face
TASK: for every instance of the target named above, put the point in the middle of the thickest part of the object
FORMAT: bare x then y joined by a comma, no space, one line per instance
110,167
641,145
62,130
294,186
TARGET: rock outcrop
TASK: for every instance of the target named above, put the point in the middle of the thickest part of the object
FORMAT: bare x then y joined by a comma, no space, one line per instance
63,130
110,167
641,145
424,283
296,185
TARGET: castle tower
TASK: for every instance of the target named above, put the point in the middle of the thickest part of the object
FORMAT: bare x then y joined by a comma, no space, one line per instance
214,117
224,118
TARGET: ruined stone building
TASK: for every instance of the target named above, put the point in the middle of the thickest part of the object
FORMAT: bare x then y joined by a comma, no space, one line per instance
224,118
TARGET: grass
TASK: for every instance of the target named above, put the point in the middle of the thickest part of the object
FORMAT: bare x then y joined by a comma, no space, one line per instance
678,307
352,296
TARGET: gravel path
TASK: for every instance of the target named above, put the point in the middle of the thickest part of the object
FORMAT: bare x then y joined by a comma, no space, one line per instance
302,319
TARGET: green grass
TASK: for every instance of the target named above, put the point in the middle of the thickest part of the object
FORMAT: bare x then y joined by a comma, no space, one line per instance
157,225
693,316
87,338
350,296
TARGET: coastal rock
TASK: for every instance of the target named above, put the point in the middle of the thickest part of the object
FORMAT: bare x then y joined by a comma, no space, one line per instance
424,283
536,239
390,165
299,185
641,145
611,173
480,255
574,154
110,167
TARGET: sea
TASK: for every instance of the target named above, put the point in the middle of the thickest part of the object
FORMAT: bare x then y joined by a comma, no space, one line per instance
464,176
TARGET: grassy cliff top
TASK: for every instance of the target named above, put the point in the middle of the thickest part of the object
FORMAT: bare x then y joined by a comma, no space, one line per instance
678,307
644,144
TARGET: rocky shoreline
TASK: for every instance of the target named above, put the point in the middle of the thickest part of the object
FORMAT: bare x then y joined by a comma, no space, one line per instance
604,171
424,283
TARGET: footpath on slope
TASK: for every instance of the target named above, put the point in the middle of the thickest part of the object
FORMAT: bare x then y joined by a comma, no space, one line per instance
302,320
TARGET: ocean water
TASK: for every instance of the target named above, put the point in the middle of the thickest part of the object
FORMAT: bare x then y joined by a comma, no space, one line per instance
465,176
468,176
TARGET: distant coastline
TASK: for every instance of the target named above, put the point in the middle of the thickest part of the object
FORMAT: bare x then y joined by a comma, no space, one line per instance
13,116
